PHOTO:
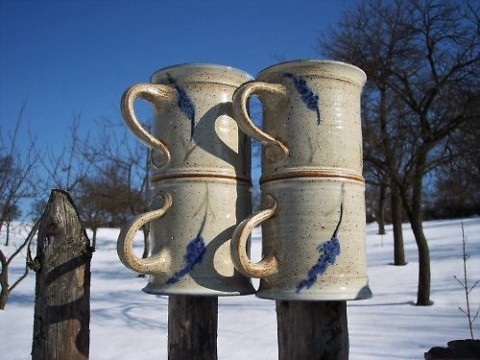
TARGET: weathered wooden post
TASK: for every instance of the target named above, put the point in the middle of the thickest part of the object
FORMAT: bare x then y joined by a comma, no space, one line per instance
192,327
312,330
62,292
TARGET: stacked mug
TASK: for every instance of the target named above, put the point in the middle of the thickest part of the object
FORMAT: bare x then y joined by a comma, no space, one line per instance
200,180
313,204
313,224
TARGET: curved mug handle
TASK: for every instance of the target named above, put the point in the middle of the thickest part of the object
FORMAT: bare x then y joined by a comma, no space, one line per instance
238,246
240,111
151,93
150,265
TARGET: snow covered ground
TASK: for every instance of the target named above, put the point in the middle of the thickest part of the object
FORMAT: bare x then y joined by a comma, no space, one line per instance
129,324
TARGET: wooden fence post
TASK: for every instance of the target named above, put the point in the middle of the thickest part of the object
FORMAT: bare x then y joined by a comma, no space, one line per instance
62,291
312,330
192,327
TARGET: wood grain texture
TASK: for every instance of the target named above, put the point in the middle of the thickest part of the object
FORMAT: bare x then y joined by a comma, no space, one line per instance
312,330
192,327
62,290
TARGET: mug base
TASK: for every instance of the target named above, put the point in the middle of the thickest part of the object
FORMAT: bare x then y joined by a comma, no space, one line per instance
331,294
197,290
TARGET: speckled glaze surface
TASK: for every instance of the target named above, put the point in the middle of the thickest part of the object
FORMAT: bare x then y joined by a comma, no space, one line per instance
313,217
313,241
200,182
193,131
311,117
190,243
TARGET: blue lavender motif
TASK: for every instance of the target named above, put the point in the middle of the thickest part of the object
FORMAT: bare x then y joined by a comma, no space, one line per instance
328,254
184,103
196,249
309,97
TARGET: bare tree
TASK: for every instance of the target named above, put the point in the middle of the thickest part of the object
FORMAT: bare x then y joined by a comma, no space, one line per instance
422,60
116,188
17,167
17,179
376,194
108,199
65,166
6,287
9,214
102,171
461,175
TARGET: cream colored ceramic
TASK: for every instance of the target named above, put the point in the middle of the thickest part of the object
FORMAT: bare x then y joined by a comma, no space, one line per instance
194,131
191,224
200,181
313,222
313,241
311,117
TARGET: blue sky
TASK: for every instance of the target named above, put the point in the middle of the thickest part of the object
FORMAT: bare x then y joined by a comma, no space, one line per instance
76,57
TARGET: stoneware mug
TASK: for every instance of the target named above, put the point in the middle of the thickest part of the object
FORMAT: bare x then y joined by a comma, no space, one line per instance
200,181
313,222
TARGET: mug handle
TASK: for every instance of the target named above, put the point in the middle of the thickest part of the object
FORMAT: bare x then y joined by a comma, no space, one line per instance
238,245
240,111
149,265
150,93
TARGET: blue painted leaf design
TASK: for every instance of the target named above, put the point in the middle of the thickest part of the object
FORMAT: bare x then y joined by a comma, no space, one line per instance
309,97
195,251
184,103
328,254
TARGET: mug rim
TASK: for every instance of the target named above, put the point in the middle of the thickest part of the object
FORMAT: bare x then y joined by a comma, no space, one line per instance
206,67
355,73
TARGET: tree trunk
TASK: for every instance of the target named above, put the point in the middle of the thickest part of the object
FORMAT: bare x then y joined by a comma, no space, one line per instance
381,209
94,238
398,246
7,240
312,330
62,291
4,292
192,327
413,208
424,277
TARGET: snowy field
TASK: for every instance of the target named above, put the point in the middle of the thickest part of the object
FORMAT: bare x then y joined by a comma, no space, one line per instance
129,324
